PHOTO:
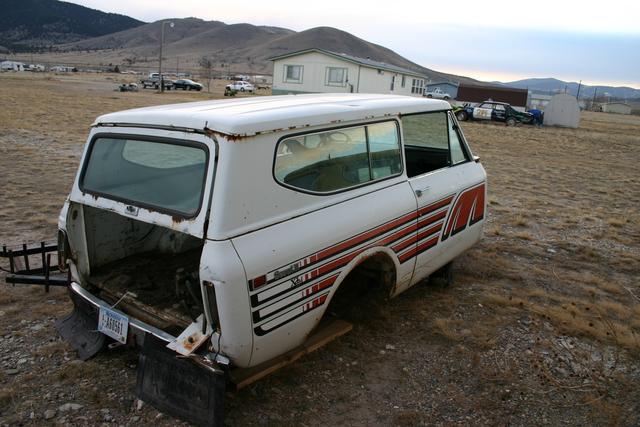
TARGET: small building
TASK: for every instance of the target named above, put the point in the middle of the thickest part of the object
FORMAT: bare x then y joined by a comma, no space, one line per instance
11,66
317,70
538,101
468,93
616,108
63,69
446,87
36,68
262,79
562,111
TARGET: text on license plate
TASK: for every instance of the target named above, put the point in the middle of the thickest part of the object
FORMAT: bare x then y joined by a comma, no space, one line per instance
113,324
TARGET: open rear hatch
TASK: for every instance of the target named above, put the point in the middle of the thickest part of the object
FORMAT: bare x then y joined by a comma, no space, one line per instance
135,226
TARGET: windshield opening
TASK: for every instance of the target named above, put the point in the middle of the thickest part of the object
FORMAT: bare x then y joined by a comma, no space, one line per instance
164,175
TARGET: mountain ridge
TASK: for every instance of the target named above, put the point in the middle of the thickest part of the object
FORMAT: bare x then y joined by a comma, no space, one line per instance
551,85
27,25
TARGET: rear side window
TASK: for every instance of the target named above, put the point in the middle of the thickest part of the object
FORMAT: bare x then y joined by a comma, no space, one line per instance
340,158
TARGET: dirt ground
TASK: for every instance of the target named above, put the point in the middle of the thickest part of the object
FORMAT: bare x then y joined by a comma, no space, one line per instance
542,324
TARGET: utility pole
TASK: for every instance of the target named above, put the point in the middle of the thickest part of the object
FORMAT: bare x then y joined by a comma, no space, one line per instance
593,103
177,66
579,86
161,77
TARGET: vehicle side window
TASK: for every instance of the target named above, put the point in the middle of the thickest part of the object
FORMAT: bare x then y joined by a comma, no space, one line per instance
458,153
426,142
340,158
499,107
384,150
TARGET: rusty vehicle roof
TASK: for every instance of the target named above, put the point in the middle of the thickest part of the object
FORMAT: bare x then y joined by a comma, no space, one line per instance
239,118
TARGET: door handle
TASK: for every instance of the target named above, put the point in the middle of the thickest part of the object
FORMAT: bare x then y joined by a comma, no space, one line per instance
420,191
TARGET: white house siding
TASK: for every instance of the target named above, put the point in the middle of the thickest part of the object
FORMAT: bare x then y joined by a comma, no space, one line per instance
372,81
314,69
360,78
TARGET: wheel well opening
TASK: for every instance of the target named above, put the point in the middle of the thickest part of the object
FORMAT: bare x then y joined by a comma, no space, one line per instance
362,295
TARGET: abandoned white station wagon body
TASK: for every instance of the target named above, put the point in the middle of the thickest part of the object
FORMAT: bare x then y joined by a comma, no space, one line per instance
242,218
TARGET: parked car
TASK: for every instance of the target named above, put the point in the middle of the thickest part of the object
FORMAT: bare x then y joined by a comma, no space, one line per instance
241,86
128,87
494,111
220,232
186,84
153,81
438,94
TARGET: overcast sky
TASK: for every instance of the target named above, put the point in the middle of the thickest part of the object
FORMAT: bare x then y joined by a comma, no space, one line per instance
596,42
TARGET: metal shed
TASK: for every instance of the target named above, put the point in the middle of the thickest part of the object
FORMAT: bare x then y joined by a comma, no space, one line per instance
562,111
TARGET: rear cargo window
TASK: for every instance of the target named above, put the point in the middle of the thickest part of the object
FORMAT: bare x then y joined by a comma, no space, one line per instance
340,158
157,174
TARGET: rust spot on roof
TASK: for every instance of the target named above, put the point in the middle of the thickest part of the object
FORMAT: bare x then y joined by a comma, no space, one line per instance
229,137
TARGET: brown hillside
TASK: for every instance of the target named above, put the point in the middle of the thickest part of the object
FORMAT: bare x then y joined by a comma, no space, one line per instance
239,47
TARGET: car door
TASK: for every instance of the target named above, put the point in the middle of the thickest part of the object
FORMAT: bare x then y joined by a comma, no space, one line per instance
483,111
449,189
499,113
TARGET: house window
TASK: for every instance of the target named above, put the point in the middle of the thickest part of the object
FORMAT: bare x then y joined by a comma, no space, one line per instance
336,76
417,86
404,78
293,73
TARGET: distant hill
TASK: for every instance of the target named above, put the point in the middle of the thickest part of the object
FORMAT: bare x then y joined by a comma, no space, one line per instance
240,47
550,85
37,24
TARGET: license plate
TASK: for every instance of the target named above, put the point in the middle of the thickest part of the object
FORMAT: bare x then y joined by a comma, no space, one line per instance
113,324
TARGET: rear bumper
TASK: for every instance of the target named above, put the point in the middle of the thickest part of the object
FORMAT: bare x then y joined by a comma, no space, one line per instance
191,388
137,328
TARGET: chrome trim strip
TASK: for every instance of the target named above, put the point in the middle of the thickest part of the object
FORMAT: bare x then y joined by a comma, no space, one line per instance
135,323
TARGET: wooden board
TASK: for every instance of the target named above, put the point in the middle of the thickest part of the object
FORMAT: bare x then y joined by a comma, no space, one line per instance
326,333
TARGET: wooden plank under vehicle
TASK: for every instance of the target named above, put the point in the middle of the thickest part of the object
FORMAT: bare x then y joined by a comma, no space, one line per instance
324,334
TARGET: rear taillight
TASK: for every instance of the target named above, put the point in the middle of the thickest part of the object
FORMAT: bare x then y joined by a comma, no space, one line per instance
212,304
63,250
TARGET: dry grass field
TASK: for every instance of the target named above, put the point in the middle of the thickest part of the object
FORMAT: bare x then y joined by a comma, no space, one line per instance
542,325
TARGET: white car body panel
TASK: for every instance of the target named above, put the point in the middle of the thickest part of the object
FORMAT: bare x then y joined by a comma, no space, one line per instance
302,245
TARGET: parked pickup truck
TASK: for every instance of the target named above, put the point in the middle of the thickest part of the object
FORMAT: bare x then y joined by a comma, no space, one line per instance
216,235
437,93
494,111
153,81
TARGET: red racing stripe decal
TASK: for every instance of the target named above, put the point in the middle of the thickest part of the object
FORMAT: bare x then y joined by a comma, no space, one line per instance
429,231
431,219
300,280
435,205
422,247
354,241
